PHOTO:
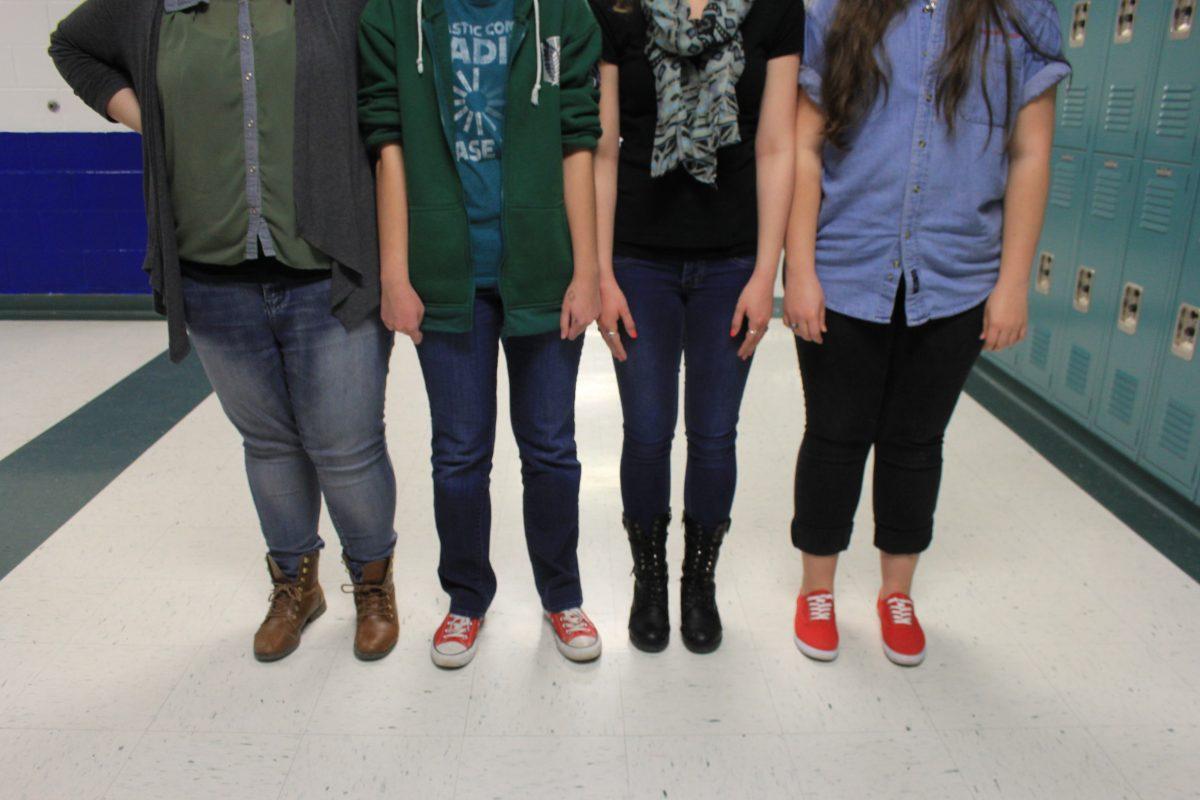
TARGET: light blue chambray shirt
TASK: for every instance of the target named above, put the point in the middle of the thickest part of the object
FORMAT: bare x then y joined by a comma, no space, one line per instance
908,195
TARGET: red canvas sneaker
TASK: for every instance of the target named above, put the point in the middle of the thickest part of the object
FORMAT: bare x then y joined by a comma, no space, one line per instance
903,639
574,634
816,626
455,641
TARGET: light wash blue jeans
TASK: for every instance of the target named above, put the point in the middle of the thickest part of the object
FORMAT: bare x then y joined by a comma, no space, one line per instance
306,394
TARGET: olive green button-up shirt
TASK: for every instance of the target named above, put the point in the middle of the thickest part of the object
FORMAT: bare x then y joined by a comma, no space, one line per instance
226,81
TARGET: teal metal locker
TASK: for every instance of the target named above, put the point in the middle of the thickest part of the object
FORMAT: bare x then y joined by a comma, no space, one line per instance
1087,30
1172,446
1091,283
1136,33
1174,130
1056,253
1148,286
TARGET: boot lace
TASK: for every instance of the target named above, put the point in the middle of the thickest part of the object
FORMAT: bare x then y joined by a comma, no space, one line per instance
371,599
284,601
901,609
820,606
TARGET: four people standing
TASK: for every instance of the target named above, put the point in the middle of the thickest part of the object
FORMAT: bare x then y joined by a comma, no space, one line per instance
913,158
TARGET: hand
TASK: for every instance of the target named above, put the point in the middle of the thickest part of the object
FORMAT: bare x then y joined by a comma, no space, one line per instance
754,308
804,307
581,306
401,309
1005,317
614,311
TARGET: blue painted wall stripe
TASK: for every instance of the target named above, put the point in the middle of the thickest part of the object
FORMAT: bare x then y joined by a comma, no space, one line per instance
72,219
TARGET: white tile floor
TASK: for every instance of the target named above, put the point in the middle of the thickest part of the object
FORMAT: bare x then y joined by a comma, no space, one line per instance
1064,652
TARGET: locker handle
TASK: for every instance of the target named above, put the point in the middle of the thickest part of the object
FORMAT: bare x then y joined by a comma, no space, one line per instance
1183,16
1045,269
1083,289
1131,309
1126,16
1183,343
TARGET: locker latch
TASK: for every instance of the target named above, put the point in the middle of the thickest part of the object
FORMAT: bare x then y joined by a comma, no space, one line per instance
1182,17
1079,18
1125,18
1044,268
1183,343
1083,289
1131,309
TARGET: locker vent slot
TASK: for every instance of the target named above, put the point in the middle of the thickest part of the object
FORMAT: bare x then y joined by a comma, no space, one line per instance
1126,14
1174,111
1118,110
1078,366
1177,428
1106,194
1079,18
1039,347
1074,107
1124,395
1063,184
1158,203
1182,18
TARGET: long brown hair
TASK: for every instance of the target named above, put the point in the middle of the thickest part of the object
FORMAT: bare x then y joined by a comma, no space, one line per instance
857,67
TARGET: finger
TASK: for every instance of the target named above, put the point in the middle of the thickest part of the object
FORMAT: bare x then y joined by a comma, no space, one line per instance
739,318
609,341
817,328
627,321
824,329
416,336
1021,334
989,341
564,321
804,331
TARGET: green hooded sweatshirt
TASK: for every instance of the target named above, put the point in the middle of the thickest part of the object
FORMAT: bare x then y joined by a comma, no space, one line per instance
405,96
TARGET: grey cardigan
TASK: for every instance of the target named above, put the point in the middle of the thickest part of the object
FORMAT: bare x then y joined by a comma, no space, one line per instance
107,45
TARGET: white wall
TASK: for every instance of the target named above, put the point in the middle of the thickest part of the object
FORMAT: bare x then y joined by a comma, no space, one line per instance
28,80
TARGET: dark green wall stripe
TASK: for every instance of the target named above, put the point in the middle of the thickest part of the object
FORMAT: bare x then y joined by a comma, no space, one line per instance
46,481
1157,513
77,306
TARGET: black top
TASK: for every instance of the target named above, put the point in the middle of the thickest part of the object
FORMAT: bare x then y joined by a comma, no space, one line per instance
676,216
104,46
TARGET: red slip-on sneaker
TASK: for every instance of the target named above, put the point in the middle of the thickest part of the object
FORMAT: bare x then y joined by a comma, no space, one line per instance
574,634
816,626
455,641
903,639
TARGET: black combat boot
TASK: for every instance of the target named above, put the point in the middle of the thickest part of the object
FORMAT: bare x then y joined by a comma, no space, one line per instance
700,622
649,625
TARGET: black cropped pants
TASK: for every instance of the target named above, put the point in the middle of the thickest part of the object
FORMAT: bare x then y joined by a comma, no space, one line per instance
888,386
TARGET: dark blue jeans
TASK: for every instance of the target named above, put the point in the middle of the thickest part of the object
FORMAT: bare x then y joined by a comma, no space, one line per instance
460,377
307,396
681,309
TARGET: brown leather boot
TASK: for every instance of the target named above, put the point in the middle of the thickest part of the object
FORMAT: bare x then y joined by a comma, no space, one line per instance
375,601
294,604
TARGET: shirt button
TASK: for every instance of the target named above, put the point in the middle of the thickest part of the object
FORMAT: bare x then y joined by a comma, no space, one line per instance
250,124
891,277
896,264
249,75
921,144
916,190
253,169
928,97
254,212
908,234
246,37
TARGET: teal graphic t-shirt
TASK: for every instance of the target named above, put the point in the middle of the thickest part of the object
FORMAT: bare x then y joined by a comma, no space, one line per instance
480,35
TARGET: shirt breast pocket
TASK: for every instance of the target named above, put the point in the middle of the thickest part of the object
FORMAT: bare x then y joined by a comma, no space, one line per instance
990,85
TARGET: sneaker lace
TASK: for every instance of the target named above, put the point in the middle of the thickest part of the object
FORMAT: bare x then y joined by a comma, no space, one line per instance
820,606
284,600
574,621
901,610
456,627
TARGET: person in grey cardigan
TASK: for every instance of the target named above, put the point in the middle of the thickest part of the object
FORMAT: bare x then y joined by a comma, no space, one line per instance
262,253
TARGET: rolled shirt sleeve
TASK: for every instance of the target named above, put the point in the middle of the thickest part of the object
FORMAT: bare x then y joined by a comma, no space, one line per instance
378,99
1044,65
812,68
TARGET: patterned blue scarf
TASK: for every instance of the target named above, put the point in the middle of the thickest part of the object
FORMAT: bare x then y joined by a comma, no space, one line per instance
696,64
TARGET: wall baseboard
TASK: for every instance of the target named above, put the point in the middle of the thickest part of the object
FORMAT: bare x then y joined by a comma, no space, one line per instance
77,306
1155,511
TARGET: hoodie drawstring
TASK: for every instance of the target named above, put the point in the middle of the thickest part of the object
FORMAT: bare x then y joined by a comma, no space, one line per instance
537,33
420,40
